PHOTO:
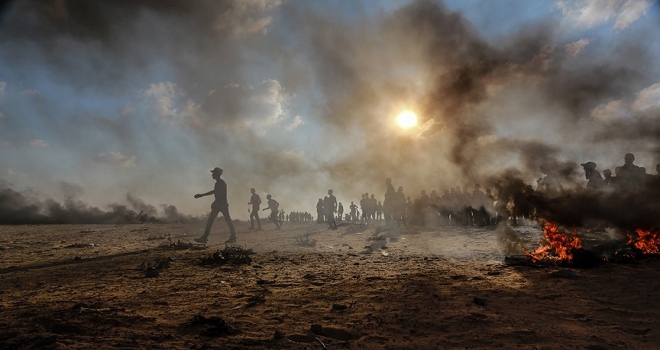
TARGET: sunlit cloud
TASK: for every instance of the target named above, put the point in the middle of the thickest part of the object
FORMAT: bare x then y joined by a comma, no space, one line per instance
591,13
117,159
573,49
648,98
296,122
247,17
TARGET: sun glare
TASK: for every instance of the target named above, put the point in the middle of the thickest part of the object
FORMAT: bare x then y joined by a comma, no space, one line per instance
406,119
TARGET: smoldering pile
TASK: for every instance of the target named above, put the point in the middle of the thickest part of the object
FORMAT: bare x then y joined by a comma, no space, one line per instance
21,208
622,217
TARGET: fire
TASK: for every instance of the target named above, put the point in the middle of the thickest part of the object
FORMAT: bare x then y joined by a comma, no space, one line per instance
647,241
558,242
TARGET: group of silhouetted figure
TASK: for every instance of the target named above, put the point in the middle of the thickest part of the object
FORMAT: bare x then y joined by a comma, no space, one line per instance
455,207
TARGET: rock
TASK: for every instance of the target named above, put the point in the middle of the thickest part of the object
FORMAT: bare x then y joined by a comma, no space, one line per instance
317,329
278,335
339,307
493,273
479,301
152,274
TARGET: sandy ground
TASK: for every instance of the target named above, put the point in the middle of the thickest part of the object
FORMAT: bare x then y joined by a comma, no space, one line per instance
85,286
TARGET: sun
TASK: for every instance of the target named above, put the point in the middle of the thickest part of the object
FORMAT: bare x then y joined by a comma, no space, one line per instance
406,119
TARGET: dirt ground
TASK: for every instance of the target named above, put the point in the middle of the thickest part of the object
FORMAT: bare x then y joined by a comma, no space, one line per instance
86,286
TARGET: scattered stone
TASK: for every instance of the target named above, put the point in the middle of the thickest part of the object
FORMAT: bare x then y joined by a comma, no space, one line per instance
317,329
278,335
218,326
77,258
233,254
153,270
339,307
479,301
152,274
306,241
493,273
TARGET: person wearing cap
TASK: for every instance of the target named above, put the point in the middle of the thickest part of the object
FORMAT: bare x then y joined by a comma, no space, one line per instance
220,205
595,181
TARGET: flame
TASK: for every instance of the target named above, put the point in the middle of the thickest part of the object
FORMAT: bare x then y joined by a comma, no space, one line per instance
647,241
561,243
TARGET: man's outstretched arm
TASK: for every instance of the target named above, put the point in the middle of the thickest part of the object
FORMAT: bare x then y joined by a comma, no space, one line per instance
200,195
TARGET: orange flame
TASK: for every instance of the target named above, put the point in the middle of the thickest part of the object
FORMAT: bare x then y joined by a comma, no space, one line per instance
647,241
561,243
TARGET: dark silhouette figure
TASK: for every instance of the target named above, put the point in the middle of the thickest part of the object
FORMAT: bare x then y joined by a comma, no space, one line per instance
629,176
273,205
220,205
549,183
331,209
353,209
319,211
255,200
388,203
340,211
594,180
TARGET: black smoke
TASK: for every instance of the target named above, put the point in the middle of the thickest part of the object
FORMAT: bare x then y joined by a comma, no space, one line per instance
27,207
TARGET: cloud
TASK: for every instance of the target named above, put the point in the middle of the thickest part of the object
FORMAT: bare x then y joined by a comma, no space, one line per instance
5,143
3,89
591,13
296,122
117,159
611,110
573,49
247,17
257,107
38,143
31,92
648,98
165,98
630,12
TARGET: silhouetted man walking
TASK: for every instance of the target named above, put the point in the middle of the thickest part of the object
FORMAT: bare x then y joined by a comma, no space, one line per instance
220,205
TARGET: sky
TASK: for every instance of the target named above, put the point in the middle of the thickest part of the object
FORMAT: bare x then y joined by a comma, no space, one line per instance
102,100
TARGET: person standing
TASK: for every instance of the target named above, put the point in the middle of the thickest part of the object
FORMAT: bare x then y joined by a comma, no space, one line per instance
331,209
255,200
219,205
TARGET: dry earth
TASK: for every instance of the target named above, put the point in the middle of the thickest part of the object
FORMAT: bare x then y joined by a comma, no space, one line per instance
86,286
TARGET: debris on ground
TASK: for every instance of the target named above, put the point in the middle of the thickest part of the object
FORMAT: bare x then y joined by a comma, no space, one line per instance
233,254
218,326
180,245
306,241
160,237
152,270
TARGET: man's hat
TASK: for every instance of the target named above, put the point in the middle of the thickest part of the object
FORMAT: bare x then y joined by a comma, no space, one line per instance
217,170
589,165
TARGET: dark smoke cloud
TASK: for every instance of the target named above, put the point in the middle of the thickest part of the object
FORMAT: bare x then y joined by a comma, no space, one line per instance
20,208
354,72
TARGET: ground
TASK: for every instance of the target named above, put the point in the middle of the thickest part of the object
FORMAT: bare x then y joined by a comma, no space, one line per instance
359,287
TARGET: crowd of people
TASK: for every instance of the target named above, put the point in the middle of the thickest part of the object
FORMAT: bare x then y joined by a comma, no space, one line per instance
456,206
